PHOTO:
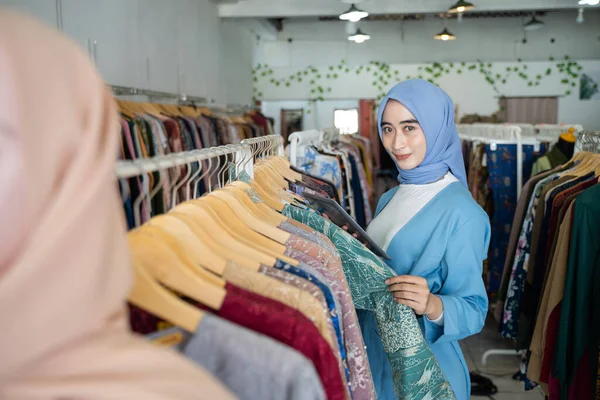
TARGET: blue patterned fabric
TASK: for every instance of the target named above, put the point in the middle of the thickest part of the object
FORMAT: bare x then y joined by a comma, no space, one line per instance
502,169
509,326
328,298
323,166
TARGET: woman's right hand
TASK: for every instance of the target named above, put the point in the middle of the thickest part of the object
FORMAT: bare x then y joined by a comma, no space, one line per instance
345,227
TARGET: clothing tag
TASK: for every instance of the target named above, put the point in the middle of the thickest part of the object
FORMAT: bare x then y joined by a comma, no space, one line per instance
493,146
170,340
536,148
244,177
253,194
232,171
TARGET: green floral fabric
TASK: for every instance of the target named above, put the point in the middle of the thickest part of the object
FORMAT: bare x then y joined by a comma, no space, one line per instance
416,372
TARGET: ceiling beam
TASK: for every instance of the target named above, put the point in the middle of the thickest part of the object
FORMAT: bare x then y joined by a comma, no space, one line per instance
321,8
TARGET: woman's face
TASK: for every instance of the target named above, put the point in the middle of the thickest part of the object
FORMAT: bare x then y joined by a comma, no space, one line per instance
402,136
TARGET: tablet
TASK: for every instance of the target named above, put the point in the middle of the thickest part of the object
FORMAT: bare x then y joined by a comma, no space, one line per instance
340,217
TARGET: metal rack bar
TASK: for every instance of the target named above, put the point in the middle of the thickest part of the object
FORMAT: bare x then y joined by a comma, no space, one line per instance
131,91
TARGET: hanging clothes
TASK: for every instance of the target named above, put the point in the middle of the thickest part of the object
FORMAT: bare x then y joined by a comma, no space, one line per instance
552,285
396,324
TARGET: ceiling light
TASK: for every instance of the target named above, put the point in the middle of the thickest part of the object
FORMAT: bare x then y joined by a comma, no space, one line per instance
359,36
444,35
580,16
461,6
589,2
354,14
534,24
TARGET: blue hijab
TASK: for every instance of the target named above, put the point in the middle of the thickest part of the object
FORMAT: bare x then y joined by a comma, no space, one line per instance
434,110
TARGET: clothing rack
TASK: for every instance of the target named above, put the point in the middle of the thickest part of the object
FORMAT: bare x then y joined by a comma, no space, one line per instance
183,99
270,144
131,168
152,94
495,134
498,134
302,138
554,130
242,156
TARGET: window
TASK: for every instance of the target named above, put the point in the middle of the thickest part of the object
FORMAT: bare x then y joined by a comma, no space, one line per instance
346,120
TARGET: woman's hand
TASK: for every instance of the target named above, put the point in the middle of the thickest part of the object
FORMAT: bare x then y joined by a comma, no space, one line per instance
413,292
344,227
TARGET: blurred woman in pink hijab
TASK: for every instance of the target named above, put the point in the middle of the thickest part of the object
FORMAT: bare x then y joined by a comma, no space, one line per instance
64,267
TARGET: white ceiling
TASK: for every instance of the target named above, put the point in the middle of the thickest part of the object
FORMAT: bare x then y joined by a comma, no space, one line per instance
314,8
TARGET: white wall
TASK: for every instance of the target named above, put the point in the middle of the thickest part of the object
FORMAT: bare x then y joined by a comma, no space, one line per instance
469,90
394,42
317,115
178,46
409,45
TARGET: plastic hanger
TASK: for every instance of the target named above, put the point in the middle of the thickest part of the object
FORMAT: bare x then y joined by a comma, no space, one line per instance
200,253
172,270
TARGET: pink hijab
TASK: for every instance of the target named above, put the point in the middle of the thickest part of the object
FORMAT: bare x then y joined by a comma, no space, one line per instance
64,270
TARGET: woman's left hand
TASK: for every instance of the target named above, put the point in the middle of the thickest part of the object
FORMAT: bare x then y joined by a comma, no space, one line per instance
413,292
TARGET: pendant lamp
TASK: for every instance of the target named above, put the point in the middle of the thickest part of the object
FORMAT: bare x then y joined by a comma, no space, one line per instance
359,36
461,6
354,14
445,35
534,24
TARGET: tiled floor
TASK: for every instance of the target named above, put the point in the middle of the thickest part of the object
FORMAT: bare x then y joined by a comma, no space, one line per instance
499,368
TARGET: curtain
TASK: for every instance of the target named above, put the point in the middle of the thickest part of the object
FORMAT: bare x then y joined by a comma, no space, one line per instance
529,110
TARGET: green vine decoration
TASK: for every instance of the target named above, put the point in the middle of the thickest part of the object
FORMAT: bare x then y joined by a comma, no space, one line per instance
383,76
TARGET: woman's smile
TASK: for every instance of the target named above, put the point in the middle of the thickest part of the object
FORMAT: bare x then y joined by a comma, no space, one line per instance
402,157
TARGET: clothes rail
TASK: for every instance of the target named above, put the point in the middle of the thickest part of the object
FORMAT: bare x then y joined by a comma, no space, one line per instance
302,138
131,91
131,168
270,144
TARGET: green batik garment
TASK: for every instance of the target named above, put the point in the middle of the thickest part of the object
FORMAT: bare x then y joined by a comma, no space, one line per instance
416,372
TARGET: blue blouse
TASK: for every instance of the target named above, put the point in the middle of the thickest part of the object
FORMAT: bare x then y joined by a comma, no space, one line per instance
446,243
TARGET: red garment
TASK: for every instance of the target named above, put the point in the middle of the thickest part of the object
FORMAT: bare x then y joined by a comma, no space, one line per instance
270,318
583,380
288,326
143,322
261,121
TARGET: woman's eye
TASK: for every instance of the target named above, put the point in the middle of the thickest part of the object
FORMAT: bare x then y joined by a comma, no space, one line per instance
387,129
409,128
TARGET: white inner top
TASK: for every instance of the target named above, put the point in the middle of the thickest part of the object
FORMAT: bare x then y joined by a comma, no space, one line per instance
406,203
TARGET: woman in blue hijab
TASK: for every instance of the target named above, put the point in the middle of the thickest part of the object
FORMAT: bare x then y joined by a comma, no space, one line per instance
435,233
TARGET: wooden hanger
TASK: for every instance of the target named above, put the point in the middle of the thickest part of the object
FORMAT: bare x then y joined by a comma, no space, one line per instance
200,253
152,297
197,227
277,184
125,110
229,222
265,213
270,200
206,218
247,218
170,269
